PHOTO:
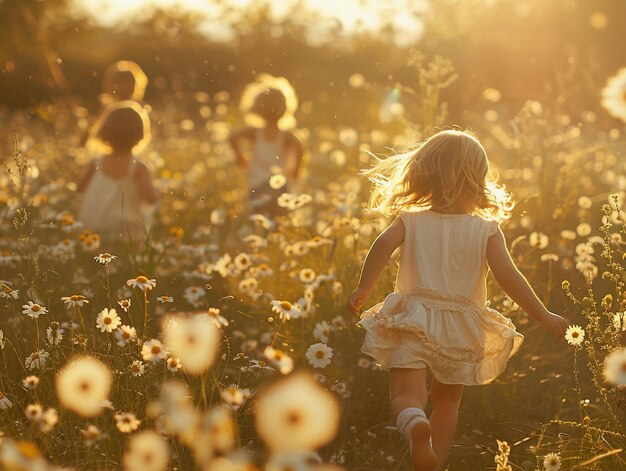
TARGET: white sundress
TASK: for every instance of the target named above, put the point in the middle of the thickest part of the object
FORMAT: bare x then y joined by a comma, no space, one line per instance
437,317
112,207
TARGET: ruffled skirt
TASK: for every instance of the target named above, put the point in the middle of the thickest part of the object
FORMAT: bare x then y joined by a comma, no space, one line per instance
458,340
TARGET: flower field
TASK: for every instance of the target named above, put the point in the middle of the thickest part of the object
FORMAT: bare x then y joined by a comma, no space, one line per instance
223,342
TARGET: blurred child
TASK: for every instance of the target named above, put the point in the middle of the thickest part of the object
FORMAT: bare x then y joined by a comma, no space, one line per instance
117,187
448,209
274,150
124,80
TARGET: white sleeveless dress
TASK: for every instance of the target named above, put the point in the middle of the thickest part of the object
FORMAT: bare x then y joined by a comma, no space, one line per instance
437,316
268,158
112,207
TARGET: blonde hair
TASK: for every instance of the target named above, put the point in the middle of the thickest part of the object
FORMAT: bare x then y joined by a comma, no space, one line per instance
122,124
269,97
447,168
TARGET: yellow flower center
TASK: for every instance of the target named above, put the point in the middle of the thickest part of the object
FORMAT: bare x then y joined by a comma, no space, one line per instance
75,297
575,335
155,350
36,308
142,279
107,320
319,354
286,305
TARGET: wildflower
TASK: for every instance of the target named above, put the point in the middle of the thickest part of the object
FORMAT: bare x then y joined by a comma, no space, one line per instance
7,292
280,359
30,382
105,258
613,99
124,304
4,402
538,239
233,396
285,309
54,333
319,355
165,299
33,310
83,384
108,320
48,420
248,285
575,335
217,318
194,340
147,451
277,181
126,422
306,275
2,341
615,367
242,261
296,414
173,364
137,368
552,462
216,427
583,229
33,411
142,283
153,351
36,359
193,294
91,434
321,331
125,334
75,300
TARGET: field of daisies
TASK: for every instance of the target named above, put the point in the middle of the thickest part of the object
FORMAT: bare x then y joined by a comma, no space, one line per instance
223,343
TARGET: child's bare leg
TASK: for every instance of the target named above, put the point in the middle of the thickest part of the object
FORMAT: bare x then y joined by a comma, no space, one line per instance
445,399
408,401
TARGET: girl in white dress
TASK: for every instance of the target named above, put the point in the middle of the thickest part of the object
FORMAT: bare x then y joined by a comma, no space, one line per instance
449,208
117,187
274,150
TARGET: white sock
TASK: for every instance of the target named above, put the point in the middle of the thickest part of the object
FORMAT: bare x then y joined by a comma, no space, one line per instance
407,419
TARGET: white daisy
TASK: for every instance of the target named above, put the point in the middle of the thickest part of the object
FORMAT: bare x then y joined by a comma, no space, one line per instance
33,310
147,451
575,335
319,355
142,283
165,299
126,422
285,309
91,434
137,368
124,304
321,332
83,385
173,364
125,334
108,320
194,340
217,318
153,351
30,382
105,258
615,367
280,359
75,300
4,402
552,462
36,359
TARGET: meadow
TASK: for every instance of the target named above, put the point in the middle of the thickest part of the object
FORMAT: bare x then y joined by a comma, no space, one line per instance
223,342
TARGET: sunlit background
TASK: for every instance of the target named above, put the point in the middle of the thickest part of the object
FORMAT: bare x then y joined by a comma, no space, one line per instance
542,84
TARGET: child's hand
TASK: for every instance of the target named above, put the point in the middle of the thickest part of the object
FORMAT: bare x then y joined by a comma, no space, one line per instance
356,299
554,324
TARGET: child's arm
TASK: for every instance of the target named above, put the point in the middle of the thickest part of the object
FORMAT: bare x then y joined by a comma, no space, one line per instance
147,192
294,169
515,285
235,140
86,178
375,262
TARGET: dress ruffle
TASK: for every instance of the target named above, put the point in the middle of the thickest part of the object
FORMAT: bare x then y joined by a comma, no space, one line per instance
460,341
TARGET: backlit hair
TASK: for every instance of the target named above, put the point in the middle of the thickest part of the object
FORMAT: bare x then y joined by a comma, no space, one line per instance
125,80
269,98
445,169
123,124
